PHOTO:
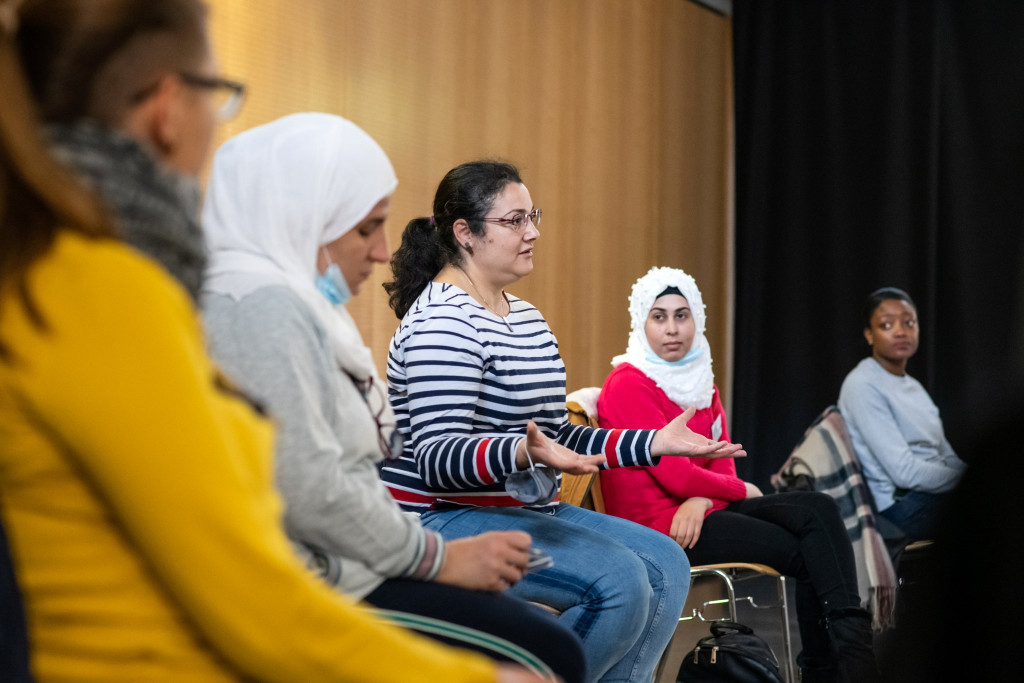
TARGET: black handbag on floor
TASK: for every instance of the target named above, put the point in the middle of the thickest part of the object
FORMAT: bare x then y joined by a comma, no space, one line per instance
731,653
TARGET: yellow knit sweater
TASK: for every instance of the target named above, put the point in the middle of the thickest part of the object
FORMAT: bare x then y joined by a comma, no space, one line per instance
139,506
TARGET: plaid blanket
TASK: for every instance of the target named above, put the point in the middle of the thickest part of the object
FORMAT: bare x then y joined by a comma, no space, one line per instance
826,455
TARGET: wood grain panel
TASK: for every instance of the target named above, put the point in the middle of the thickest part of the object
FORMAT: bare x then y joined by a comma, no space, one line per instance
616,111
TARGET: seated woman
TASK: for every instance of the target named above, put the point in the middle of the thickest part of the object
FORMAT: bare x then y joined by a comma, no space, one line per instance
294,217
135,486
702,504
893,423
470,369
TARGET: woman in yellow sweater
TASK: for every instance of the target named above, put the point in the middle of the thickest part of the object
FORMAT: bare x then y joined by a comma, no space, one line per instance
135,486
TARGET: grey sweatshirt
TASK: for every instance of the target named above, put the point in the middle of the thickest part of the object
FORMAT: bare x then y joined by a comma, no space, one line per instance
897,433
337,510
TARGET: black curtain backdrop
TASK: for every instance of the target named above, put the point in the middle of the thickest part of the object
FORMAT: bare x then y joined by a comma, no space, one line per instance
877,143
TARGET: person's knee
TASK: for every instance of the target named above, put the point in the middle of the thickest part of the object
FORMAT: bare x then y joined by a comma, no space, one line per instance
822,503
667,570
672,554
624,584
626,566
814,504
667,557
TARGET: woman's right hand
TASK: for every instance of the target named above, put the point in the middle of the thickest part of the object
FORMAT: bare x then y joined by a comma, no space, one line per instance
544,451
492,561
513,673
752,491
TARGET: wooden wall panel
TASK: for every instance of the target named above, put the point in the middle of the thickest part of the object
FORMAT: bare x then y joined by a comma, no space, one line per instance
616,111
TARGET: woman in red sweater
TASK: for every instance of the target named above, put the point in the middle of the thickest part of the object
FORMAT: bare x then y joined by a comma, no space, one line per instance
703,505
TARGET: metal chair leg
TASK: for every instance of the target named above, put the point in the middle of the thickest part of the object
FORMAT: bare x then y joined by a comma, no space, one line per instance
788,667
724,572
730,590
787,643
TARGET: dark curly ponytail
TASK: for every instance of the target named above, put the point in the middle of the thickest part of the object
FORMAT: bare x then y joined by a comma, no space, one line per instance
467,191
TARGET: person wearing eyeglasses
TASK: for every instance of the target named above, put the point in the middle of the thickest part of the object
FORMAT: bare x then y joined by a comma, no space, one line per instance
294,218
146,169
478,389
136,487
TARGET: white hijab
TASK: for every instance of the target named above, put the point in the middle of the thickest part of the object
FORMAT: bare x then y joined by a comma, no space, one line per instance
280,191
689,383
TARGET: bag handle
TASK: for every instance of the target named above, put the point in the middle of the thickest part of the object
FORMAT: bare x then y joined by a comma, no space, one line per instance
794,462
724,628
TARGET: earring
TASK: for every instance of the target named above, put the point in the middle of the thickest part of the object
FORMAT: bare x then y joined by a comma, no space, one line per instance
467,245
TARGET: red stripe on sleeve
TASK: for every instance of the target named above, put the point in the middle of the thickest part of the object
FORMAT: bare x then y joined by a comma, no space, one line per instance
409,496
610,447
481,463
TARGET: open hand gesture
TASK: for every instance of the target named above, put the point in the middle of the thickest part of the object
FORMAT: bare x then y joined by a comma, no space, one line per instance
543,450
676,438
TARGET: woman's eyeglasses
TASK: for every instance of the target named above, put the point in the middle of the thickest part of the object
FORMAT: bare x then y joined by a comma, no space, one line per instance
517,222
391,442
228,95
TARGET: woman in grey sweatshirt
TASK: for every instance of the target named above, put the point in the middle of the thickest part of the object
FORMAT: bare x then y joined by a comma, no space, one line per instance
294,219
894,424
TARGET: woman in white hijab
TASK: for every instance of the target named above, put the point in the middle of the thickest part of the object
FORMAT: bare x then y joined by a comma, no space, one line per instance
294,220
703,505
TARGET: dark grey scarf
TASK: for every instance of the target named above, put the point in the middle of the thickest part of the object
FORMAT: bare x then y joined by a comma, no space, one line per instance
155,209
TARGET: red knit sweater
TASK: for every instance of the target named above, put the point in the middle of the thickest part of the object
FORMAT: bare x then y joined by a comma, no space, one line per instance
651,495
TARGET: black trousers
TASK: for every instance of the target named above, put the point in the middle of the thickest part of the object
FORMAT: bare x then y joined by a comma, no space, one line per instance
799,534
14,657
516,621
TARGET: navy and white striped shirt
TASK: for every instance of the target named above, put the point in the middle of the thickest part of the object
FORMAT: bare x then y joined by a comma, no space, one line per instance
464,385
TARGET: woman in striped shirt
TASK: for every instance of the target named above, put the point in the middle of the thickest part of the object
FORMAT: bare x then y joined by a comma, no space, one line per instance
478,389
294,219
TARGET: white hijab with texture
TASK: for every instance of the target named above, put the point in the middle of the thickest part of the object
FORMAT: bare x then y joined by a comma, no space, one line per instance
280,191
690,384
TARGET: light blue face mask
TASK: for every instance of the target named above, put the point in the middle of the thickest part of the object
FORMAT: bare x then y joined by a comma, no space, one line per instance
332,284
692,355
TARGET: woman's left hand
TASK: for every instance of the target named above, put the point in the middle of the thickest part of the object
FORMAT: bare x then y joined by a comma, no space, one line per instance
752,490
547,452
676,438
688,521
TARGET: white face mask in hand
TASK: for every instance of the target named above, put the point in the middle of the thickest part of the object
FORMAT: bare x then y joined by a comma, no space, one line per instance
535,486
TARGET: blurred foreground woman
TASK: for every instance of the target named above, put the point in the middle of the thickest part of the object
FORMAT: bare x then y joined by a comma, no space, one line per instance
135,486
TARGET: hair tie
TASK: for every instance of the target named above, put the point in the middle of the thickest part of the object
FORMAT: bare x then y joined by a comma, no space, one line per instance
433,223
9,16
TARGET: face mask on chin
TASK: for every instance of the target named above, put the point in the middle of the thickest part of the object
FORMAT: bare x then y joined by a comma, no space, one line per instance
332,284
690,356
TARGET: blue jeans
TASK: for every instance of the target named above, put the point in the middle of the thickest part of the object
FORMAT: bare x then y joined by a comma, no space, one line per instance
620,586
916,512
